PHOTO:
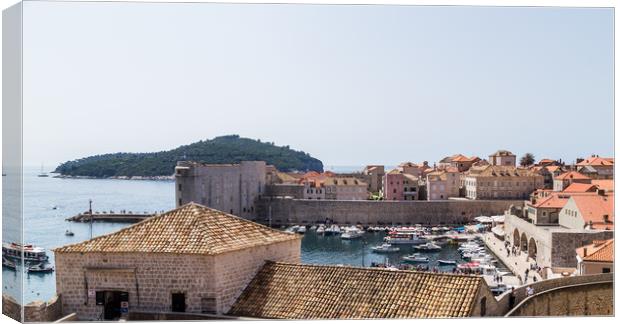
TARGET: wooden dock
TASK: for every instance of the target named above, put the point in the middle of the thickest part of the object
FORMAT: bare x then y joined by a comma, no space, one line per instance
127,217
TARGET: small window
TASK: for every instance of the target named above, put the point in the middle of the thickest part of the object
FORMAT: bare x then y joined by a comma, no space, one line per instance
606,270
180,187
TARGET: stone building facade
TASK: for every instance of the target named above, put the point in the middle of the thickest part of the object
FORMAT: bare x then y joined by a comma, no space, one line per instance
501,182
192,259
443,184
231,188
373,175
503,158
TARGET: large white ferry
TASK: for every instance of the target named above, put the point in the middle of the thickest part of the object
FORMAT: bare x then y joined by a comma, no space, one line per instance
30,252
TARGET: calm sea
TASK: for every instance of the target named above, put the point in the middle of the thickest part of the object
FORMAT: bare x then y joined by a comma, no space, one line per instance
48,201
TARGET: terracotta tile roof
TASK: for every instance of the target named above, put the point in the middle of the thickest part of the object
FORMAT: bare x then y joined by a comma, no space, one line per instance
189,229
594,208
297,291
598,251
552,168
598,161
571,175
546,161
607,185
500,171
553,201
344,181
580,187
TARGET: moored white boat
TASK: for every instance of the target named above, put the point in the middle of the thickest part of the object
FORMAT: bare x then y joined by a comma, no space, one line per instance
428,247
416,258
351,233
31,253
385,248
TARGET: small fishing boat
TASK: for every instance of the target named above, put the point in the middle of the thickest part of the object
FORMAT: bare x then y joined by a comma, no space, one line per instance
446,262
320,230
301,229
416,258
385,248
428,247
40,268
6,263
69,233
313,227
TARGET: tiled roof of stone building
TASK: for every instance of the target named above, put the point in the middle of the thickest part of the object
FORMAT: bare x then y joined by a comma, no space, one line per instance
500,171
598,161
299,291
572,175
598,251
189,229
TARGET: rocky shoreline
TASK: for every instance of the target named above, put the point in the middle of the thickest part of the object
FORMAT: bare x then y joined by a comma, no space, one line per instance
156,178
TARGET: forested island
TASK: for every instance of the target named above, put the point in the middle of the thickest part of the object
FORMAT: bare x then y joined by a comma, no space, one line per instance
223,149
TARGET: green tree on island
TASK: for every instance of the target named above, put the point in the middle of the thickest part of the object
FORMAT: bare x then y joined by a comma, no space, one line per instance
527,160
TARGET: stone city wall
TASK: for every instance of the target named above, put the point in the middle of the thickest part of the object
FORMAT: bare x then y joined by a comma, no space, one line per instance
578,300
37,311
298,211
520,293
565,243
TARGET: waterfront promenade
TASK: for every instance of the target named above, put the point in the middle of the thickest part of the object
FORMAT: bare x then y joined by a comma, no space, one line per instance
518,263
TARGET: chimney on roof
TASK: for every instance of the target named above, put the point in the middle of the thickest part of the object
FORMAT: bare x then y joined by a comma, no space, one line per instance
585,251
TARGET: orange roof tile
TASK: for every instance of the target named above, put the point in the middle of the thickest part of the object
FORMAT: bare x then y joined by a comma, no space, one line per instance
594,208
580,187
598,161
607,185
553,201
598,251
189,229
571,175
301,291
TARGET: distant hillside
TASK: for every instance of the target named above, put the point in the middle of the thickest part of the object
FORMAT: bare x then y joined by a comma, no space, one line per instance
224,149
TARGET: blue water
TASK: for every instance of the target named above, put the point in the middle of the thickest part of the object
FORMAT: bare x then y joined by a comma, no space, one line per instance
45,226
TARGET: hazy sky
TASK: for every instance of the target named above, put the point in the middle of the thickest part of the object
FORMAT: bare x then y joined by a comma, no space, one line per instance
351,85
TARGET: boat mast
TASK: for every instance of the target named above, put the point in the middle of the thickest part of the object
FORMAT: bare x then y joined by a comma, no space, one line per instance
90,211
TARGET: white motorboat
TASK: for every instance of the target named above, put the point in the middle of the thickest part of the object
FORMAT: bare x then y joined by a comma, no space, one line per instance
428,247
416,258
446,262
320,229
301,229
313,227
40,268
351,233
385,248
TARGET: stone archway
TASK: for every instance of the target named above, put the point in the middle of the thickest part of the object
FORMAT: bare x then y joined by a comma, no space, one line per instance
523,242
516,238
532,249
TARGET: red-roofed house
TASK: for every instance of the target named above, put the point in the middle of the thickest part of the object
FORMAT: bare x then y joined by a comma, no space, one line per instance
565,179
597,167
580,187
588,211
597,257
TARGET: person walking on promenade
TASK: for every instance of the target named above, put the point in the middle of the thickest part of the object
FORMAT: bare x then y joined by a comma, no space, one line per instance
511,298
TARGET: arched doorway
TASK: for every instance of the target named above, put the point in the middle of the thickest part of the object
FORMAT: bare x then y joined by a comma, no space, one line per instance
532,249
523,242
516,238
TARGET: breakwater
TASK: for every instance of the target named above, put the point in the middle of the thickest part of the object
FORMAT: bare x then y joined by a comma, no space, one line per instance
285,211
110,217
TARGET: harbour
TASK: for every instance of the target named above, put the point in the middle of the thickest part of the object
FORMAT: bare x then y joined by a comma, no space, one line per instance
49,201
